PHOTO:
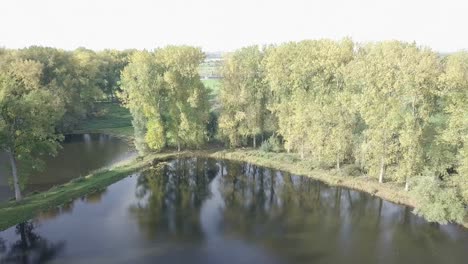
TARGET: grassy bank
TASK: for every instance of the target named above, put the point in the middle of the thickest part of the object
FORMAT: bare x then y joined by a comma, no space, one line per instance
292,163
390,191
115,120
13,212
213,84
111,119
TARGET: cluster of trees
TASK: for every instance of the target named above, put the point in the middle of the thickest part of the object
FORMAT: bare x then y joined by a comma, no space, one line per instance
77,78
396,110
45,92
168,101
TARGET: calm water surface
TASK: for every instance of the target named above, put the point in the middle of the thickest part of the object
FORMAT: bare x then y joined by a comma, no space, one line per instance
211,211
80,154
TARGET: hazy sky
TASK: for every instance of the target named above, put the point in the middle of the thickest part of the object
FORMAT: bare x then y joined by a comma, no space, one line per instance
225,25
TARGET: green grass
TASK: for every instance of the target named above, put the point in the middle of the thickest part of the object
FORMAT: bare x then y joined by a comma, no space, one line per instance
13,212
213,84
111,118
390,191
210,69
292,163
116,120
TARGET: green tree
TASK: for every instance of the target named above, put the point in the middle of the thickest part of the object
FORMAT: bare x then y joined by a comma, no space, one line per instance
168,101
112,62
28,114
308,97
71,77
455,94
86,66
188,102
244,96
419,70
144,94
395,85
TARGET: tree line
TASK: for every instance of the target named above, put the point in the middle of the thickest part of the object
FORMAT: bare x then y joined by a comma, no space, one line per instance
45,92
394,110
391,110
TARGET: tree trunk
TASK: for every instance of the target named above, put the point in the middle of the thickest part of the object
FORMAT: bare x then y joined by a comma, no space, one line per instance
337,162
302,151
178,146
407,185
382,170
14,171
254,141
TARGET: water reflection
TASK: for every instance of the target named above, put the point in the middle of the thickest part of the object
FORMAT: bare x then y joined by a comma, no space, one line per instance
29,248
170,197
96,196
208,211
80,155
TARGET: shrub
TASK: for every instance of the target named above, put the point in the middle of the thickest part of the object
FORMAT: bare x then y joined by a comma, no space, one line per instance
79,179
436,202
272,144
352,170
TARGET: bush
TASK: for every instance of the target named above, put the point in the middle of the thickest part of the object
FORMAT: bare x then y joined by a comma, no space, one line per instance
271,145
352,170
436,202
79,179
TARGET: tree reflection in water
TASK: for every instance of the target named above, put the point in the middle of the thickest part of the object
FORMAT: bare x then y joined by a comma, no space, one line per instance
201,210
29,248
170,197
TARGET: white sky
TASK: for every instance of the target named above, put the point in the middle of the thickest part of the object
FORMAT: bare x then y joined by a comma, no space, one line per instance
217,25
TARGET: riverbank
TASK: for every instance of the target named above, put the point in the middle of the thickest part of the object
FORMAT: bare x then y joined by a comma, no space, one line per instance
292,163
390,191
111,119
14,212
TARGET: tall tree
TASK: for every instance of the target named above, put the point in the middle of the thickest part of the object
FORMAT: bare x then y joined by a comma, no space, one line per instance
396,83
112,62
419,70
244,96
375,74
166,97
70,76
307,85
144,94
188,102
28,114
455,94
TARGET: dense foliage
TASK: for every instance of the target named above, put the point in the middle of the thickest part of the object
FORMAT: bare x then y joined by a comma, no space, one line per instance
396,110
45,92
169,103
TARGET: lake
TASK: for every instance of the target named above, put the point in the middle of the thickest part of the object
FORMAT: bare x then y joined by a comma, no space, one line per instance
79,155
201,210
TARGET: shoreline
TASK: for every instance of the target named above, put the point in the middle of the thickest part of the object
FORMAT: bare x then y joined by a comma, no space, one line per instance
14,213
110,132
388,191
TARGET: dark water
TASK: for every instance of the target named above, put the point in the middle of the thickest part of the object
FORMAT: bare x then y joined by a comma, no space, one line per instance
80,155
210,211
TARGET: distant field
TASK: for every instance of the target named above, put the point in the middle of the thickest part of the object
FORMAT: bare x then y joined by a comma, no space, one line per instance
111,119
213,84
210,69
